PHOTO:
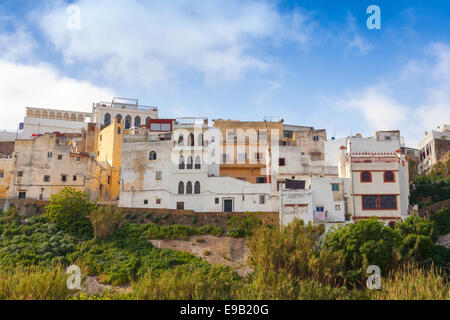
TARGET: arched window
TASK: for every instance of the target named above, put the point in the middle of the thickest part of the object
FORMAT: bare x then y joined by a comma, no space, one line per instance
389,176
181,163
366,176
180,140
198,162
128,122
147,122
189,163
119,118
80,118
107,121
197,187
181,188
189,188
152,155
137,121
73,117
200,139
190,140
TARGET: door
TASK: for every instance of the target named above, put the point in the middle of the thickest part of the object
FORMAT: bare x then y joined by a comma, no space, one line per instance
228,205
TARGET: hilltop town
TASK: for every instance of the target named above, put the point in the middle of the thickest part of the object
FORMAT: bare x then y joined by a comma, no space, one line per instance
124,154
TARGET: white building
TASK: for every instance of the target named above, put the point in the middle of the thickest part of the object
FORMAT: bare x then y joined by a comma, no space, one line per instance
433,146
133,114
41,120
160,173
378,174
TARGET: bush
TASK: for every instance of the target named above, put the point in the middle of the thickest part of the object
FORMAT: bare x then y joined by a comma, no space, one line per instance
38,242
364,243
441,221
242,226
105,221
293,250
188,283
413,283
69,209
34,284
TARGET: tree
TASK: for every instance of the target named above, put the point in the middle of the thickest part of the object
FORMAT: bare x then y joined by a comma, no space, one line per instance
105,220
69,209
364,243
415,225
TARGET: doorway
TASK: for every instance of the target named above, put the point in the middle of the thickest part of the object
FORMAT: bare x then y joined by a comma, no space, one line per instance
228,205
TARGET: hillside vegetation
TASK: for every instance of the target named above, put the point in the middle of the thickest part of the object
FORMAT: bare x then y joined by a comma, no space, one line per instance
294,262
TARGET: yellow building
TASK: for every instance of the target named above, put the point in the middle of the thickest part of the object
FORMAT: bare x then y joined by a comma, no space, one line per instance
108,148
246,148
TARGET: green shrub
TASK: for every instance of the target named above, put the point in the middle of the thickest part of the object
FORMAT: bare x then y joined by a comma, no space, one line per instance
34,283
242,226
69,209
364,243
188,283
105,221
441,221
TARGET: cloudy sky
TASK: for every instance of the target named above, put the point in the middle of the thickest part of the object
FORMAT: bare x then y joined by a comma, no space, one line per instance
310,62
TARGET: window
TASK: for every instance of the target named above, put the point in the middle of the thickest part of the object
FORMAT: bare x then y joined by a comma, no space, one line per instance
262,199
389,176
119,118
281,162
118,130
190,141
128,122
158,175
107,121
259,156
315,138
388,202
200,140
181,164
22,195
158,200
198,161
216,200
366,176
109,179
137,121
180,140
337,207
370,202
180,205
225,158
152,155
261,180
189,188
288,134
59,156
242,156
2,173
20,173
145,201
49,154
335,186
381,202
189,163
320,209
46,178
63,177
197,187
74,178
181,188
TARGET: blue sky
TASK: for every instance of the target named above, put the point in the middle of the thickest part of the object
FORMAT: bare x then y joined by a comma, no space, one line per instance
310,62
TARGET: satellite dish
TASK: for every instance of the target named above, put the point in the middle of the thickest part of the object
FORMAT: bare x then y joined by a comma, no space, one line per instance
358,135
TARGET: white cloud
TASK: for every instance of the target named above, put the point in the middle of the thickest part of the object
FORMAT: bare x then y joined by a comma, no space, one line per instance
41,86
15,46
354,39
151,42
381,106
